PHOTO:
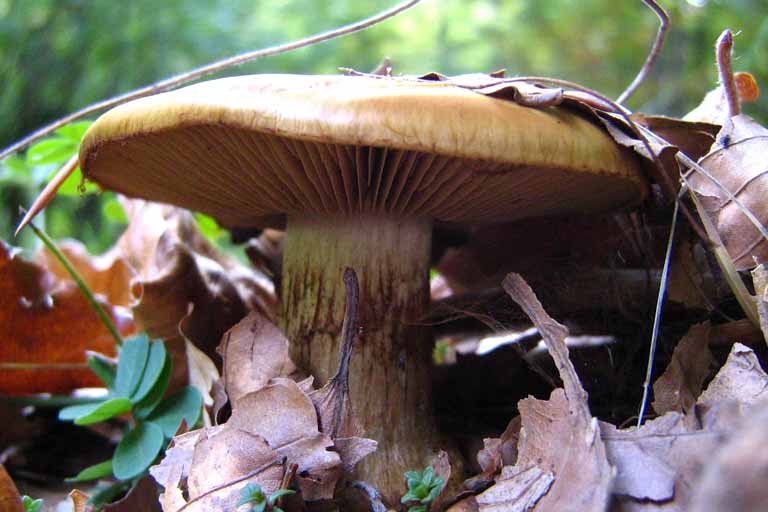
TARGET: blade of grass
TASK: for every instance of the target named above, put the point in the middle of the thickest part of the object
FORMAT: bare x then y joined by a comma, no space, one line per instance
103,316
657,316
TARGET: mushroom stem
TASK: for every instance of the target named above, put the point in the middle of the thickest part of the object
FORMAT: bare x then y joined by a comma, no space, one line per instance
390,366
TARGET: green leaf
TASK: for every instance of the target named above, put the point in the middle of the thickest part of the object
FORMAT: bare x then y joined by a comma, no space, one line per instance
426,477
113,210
31,505
145,407
103,411
74,131
437,486
102,367
130,364
185,404
418,508
152,371
410,496
209,227
279,494
75,411
251,493
137,450
100,470
55,150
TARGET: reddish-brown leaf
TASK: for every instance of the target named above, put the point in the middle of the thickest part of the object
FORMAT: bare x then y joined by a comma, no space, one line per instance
46,322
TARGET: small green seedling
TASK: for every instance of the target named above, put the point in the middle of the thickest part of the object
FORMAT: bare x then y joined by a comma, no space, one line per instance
136,385
31,505
252,495
423,487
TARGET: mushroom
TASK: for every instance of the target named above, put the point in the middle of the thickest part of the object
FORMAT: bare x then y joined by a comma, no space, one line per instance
358,169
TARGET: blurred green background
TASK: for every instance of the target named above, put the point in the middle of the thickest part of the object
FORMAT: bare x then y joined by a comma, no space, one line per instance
57,56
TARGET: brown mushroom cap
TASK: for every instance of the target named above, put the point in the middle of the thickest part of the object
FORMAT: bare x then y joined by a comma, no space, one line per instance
250,149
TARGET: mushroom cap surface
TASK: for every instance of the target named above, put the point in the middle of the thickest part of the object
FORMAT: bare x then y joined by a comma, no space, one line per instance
249,150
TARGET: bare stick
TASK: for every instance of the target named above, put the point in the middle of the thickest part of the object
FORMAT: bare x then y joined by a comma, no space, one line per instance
653,55
723,49
174,81
48,193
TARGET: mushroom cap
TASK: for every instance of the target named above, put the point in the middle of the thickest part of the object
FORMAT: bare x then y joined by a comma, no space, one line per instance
249,150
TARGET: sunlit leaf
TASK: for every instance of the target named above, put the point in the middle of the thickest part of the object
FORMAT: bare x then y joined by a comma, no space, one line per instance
100,470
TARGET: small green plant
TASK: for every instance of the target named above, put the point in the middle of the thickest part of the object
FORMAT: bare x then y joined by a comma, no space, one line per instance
136,385
423,487
31,505
252,495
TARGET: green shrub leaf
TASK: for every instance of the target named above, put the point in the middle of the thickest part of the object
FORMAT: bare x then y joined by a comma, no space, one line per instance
100,470
145,407
131,362
185,404
137,450
152,370
103,411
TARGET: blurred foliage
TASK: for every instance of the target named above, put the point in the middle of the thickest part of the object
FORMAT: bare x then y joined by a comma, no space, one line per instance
59,55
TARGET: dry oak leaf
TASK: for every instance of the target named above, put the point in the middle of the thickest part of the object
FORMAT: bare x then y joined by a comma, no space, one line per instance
660,463
760,281
48,322
254,351
10,499
737,161
108,275
560,436
681,383
734,479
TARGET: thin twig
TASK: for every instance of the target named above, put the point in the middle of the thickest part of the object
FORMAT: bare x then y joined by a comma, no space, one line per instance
174,81
723,49
48,193
657,316
103,316
653,55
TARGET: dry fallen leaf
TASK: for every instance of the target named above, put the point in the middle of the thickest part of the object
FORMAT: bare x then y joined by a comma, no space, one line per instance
48,322
760,280
681,383
254,352
659,464
558,436
737,160
79,501
108,275
734,479
141,497
10,499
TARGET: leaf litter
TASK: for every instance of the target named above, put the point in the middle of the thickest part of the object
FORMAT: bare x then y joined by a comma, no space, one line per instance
277,421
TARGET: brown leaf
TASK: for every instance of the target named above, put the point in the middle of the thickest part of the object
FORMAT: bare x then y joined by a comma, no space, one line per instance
737,160
559,435
291,429
79,501
353,449
142,496
221,458
254,352
108,275
10,499
681,384
517,490
47,322
694,138
659,463
742,379
734,478
760,280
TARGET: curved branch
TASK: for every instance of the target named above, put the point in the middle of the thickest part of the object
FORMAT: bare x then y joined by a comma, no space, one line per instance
653,55
174,81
